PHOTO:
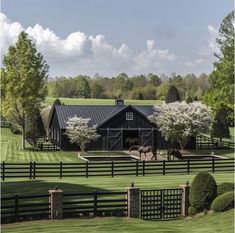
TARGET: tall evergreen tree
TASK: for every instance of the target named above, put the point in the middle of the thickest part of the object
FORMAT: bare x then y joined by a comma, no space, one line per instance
23,78
172,95
220,127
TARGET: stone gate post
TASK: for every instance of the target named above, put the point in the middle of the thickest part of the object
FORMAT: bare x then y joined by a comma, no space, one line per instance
185,199
56,203
133,197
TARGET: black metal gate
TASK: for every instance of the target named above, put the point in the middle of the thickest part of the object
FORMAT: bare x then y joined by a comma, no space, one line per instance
161,204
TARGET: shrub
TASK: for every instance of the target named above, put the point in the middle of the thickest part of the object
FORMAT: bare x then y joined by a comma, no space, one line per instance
202,192
225,187
223,202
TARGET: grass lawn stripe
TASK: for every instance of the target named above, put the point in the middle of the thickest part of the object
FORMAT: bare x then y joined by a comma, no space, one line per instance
218,222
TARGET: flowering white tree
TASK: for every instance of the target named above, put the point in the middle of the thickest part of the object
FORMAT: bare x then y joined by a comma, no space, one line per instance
79,131
179,121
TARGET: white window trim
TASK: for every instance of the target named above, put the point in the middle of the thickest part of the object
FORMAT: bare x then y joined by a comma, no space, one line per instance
129,116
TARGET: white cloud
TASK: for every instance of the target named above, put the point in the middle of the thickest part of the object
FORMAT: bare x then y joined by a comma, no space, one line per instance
79,53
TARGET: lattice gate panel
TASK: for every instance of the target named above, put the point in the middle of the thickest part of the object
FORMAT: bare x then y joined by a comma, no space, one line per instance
151,204
161,204
172,203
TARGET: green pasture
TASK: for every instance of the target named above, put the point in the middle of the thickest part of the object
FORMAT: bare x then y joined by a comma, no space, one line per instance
212,223
82,101
118,183
11,151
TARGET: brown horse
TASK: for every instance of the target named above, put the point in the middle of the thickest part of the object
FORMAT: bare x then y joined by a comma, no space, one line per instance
145,149
132,141
174,152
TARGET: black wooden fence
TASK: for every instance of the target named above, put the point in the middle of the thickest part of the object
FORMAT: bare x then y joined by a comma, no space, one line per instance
33,170
28,207
205,142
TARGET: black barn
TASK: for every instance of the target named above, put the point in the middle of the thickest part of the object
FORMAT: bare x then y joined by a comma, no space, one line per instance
115,123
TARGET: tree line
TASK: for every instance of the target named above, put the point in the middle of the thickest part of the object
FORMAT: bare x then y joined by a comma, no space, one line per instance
142,87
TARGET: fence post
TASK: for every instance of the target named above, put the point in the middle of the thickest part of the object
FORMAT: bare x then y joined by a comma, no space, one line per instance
143,168
95,203
30,170
3,170
164,167
56,203
188,166
185,199
34,170
137,168
16,207
133,199
61,170
86,169
213,164
112,166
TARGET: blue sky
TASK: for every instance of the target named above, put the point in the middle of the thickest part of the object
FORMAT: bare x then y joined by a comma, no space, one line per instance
132,36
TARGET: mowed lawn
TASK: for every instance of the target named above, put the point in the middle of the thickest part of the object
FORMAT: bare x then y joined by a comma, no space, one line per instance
213,223
11,151
119,183
82,101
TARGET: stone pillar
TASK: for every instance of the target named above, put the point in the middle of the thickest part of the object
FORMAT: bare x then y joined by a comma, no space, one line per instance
56,203
133,197
185,199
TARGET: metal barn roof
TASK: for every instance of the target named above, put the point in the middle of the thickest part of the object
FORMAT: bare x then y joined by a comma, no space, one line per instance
97,113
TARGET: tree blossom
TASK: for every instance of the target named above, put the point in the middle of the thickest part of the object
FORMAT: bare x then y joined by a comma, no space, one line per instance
179,121
79,131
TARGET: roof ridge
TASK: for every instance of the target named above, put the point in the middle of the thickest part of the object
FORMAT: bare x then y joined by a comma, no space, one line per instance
114,109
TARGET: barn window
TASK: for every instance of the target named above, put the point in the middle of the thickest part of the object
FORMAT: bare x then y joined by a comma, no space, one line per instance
129,116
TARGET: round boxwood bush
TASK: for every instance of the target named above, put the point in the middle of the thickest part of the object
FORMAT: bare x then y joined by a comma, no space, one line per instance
225,187
202,192
223,202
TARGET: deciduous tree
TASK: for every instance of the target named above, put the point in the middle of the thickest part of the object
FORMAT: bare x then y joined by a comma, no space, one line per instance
23,78
79,131
179,121
221,79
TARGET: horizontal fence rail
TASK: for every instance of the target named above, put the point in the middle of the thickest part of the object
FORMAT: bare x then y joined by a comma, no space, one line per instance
95,204
24,207
205,142
35,170
21,207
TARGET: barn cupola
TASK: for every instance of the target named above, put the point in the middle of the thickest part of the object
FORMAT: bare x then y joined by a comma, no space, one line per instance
119,102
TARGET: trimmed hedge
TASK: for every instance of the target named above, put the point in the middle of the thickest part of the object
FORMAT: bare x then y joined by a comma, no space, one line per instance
225,187
223,202
202,192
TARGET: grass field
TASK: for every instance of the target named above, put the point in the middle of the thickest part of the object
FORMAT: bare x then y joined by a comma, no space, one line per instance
11,151
219,222
71,101
118,183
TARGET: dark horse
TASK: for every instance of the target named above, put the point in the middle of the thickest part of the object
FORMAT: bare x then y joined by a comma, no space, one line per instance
174,152
145,149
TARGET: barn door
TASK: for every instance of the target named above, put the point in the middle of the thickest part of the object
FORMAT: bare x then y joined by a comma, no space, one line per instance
147,137
114,139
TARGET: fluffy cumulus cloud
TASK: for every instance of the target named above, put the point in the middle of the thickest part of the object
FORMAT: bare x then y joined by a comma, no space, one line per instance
79,53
